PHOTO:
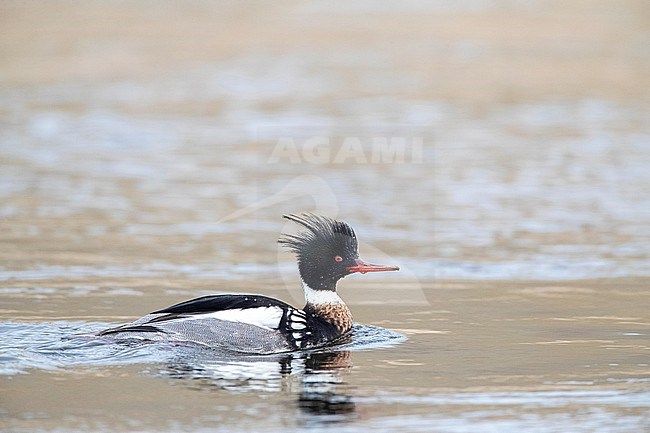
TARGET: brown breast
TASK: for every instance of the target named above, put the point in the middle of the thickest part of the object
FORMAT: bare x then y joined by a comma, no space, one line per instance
337,314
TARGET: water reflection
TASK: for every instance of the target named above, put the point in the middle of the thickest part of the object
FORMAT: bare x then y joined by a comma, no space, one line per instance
322,385
311,387
314,380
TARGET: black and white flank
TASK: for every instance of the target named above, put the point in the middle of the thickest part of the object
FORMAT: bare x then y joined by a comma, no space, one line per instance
326,250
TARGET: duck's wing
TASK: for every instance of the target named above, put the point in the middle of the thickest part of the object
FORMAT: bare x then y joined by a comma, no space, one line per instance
211,318
214,303
255,310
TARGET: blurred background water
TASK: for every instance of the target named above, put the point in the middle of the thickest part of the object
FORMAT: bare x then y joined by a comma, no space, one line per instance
148,150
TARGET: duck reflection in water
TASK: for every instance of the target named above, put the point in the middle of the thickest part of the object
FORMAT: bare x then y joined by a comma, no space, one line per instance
316,379
322,384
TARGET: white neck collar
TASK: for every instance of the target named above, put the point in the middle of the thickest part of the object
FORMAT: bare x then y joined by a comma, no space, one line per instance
320,297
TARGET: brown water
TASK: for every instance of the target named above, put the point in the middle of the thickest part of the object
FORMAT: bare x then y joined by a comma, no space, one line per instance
147,152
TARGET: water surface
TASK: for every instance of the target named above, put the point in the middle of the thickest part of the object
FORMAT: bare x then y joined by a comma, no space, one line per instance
139,168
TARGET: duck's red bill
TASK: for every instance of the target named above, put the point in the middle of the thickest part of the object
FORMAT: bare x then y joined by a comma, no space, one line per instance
363,267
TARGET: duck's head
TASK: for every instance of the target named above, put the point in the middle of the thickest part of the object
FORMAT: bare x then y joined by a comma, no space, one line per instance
326,252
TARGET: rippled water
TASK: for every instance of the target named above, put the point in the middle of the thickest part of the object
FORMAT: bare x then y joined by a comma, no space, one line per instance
146,157
59,345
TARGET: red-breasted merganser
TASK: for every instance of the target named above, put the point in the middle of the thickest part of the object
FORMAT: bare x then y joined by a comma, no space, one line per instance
326,252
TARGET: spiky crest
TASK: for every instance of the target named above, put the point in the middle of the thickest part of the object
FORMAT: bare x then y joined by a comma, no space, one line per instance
319,229
325,250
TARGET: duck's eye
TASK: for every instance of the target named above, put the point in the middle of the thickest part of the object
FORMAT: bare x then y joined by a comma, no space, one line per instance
338,259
